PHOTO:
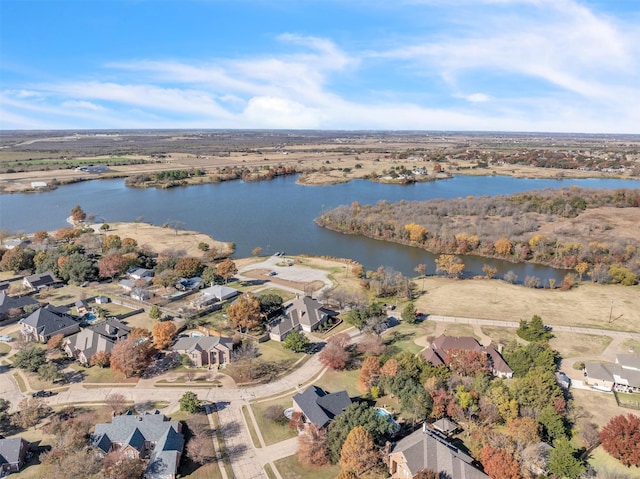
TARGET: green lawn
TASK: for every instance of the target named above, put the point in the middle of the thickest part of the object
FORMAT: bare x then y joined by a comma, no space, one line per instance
4,349
252,429
604,463
272,432
455,329
334,381
275,351
95,374
290,468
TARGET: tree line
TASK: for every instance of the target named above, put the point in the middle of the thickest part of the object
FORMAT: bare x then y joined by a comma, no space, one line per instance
502,227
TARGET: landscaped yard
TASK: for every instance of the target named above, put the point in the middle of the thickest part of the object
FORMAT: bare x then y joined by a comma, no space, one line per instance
500,335
272,432
455,329
334,381
603,463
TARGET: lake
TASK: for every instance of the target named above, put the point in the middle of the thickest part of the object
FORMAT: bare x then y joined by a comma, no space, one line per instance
276,215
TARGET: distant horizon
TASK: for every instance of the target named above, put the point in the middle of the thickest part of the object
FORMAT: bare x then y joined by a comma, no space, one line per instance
324,130
539,66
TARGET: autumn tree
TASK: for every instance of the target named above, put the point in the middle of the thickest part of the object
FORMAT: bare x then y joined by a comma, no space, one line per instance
111,242
620,437
245,312
117,464
40,236
30,411
503,246
369,373
226,269
77,214
449,264
55,342
334,355
359,453
427,474
112,265
163,333
313,447
17,259
466,362
374,345
499,464
189,267
581,268
116,402
489,271
131,356
102,359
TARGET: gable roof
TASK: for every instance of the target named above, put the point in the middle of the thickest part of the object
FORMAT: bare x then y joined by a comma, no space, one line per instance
321,407
10,302
202,343
48,321
133,430
466,343
305,311
219,292
429,449
40,280
10,450
100,337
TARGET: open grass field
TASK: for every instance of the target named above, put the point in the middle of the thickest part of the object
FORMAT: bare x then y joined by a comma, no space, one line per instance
570,345
587,305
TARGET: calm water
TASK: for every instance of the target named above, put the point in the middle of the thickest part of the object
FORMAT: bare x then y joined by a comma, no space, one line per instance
276,215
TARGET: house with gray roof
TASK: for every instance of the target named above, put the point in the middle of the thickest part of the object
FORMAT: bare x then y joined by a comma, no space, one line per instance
94,339
623,375
49,321
13,455
320,407
148,436
214,294
40,281
10,304
306,314
427,448
205,350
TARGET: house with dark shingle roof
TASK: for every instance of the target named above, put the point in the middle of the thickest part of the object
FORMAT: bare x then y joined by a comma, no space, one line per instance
426,448
320,407
40,281
148,436
205,350
304,313
13,454
436,355
94,339
9,303
49,321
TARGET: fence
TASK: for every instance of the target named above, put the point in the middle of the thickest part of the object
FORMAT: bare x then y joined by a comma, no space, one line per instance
626,400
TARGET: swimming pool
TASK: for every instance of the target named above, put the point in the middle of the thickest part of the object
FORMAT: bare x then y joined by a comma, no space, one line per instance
380,411
90,318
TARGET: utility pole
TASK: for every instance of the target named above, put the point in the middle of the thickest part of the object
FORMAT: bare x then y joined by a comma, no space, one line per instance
611,311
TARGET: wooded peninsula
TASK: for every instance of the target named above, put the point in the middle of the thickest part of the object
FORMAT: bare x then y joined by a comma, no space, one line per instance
555,227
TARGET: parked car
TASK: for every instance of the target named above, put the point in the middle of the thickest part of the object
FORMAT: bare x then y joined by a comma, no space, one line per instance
272,273
7,339
42,394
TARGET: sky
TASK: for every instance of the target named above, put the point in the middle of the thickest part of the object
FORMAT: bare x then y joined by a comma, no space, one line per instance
461,65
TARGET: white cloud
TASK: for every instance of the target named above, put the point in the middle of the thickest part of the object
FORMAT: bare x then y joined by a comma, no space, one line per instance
83,105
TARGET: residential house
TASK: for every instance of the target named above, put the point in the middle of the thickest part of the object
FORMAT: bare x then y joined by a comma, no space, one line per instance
102,299
427,448
94,339
304,313
214,294
13,455
9,304
148,436
40,281
82,307
436,355
205,350
140,273
49,321
623,375
320,407
189,284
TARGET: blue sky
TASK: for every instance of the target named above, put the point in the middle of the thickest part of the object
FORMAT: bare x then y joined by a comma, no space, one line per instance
474,65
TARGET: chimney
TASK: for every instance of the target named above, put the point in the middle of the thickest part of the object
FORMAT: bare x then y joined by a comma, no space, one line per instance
424,426
500,347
